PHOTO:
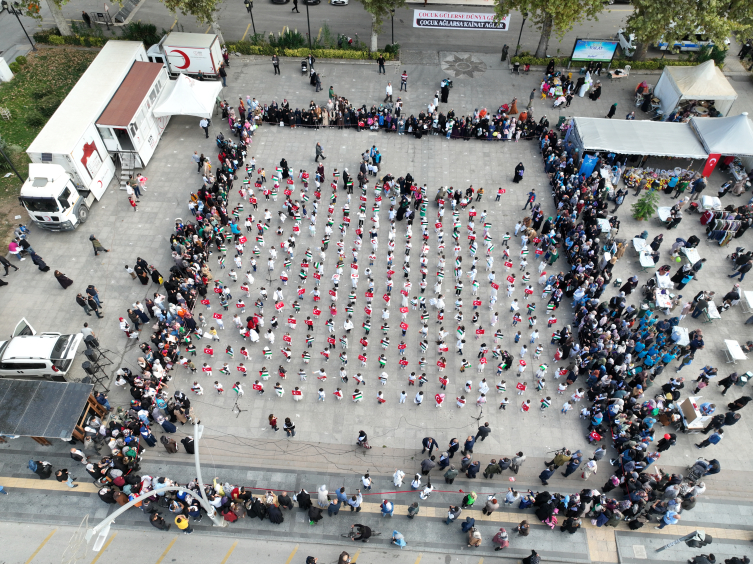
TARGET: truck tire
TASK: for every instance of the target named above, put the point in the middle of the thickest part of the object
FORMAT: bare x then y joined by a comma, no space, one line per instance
82,214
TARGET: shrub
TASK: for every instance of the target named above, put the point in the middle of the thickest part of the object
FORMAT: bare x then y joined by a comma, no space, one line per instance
287,40
35,119
41,91
246,48
21,60
48,105
14,67
44,35
146,32
646,205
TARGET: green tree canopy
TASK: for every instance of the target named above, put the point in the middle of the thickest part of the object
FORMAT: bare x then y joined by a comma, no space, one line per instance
558,16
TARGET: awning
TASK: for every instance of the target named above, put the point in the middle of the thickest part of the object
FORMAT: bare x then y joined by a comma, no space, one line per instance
41,409
726,136
701,82
630,137
188,97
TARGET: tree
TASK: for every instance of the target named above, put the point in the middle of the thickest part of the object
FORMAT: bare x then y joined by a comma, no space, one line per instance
31,8
559,16
671,20
380,10
646,205
205,12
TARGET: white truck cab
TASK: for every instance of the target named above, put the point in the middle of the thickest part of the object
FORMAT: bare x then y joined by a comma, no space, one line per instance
28,356
53,201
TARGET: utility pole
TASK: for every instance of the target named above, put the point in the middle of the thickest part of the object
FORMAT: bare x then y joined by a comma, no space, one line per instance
392,17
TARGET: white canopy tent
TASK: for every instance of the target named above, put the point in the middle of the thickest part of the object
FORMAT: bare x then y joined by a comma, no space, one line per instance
702,82
188,97
655,138
726,136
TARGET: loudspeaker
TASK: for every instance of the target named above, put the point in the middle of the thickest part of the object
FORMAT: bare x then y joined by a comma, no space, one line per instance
91,342
89,368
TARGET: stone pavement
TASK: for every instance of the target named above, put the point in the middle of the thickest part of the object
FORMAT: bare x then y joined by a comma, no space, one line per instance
326,430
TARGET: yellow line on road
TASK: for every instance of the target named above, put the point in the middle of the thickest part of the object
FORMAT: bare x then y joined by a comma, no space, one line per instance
175,22
295,549
418,560
353,560
244,35
169,546
207,31
229,552
44,542
481,561
102,550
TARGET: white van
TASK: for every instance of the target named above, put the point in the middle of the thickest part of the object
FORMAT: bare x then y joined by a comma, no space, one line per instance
30,356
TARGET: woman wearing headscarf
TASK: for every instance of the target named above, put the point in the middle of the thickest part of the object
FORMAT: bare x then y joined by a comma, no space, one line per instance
500,539
612,110
519,170
322,497
596,93
142,274
63,279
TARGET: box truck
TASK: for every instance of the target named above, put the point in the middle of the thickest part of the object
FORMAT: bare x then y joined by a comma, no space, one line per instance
188,53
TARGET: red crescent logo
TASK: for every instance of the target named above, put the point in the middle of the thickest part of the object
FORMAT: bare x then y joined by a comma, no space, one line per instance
713,161
99,182
186,60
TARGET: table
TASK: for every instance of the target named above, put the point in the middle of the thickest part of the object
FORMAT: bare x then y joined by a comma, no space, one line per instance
691,254
664,282
733,351
647,261
639,245
663,213
663,301
712,313
747,302
604,225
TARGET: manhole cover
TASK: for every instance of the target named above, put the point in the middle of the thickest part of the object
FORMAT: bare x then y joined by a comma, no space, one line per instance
639,551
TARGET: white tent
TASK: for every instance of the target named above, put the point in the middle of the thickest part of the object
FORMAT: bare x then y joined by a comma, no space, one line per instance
644,137
726,136
702,82
188,97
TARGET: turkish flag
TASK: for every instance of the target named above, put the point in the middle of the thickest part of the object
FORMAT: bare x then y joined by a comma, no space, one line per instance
240,368
204,302
317,311
710,165
242,239
332,293
218,290
297,392
403,310
367,309
404,326
510,279
522,362
477,302
495,285
403,362
441,364
386,298
361,358
208,350
206,369
483,360
286,338
480,331
217,315
508,264
520,386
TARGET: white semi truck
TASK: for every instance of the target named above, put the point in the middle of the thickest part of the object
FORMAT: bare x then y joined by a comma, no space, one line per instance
70,165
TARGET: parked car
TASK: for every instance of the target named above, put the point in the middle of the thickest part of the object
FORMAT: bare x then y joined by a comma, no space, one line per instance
339,2
692,42
280,1
30,356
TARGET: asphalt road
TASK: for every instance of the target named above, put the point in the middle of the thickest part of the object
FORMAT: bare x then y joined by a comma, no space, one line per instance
349,20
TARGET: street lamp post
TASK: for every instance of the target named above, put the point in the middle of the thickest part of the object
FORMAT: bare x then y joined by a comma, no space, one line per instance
16,12
250,7
392,17
525,17
308,21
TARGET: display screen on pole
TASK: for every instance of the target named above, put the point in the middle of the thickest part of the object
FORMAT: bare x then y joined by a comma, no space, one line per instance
594,50
458,20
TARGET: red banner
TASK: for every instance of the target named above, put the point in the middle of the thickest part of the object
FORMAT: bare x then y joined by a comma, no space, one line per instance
710,165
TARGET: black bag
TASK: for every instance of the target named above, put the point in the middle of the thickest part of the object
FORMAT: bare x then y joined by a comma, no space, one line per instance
635,525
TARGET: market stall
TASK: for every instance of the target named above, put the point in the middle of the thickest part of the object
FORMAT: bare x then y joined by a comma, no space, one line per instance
693,421
730,141
702,90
